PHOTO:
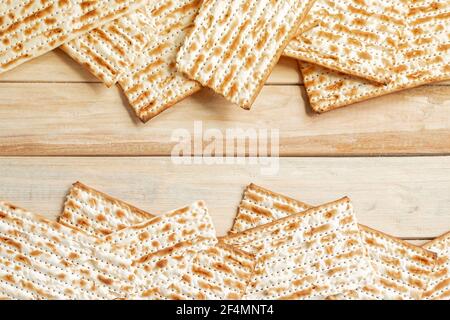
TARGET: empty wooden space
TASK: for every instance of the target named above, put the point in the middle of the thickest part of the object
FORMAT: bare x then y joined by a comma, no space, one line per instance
58,124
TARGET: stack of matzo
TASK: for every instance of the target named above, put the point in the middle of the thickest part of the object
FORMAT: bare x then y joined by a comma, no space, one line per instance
29,28
417,32
278,248
161,52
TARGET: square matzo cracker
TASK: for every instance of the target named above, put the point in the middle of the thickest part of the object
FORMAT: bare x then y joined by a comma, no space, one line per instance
355,37
423,57
162,248
402,270
219,272
235,44
29,28
153,83
42,259
308,255
97,213
108,51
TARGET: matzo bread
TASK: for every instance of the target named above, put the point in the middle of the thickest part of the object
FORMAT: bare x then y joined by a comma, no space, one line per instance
423,58
260,206
439,285
402,270
307,255
41,259
97,213
108,51
152,83
220,272
359,38
234,45
30,28
164,247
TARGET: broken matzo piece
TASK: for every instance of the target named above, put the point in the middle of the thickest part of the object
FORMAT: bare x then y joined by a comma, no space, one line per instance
153,83
235,44
423,58
220,272
439,285
359,38
42,259
402,270
307,255
260,206
30,28
108,50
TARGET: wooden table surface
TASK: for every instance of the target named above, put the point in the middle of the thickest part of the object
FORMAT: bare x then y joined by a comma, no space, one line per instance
391,155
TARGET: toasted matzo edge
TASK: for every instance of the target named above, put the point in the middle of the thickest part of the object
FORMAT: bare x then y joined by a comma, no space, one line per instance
232,288
328,90
192,66
346,235
152,83
370,49
439,285
42,259
71,19
253,210
107,51
405,279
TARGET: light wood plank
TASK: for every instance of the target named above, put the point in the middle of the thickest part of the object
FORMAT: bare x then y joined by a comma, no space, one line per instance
56,66
406,197
89,119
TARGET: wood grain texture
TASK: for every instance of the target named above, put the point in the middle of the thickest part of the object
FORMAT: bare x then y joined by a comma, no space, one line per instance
406,197
56,66
89,119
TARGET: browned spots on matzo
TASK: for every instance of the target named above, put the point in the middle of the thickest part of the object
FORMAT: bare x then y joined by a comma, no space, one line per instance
11,243
299,294
22,259
313,231
229,51
257,210
29,19
345,35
